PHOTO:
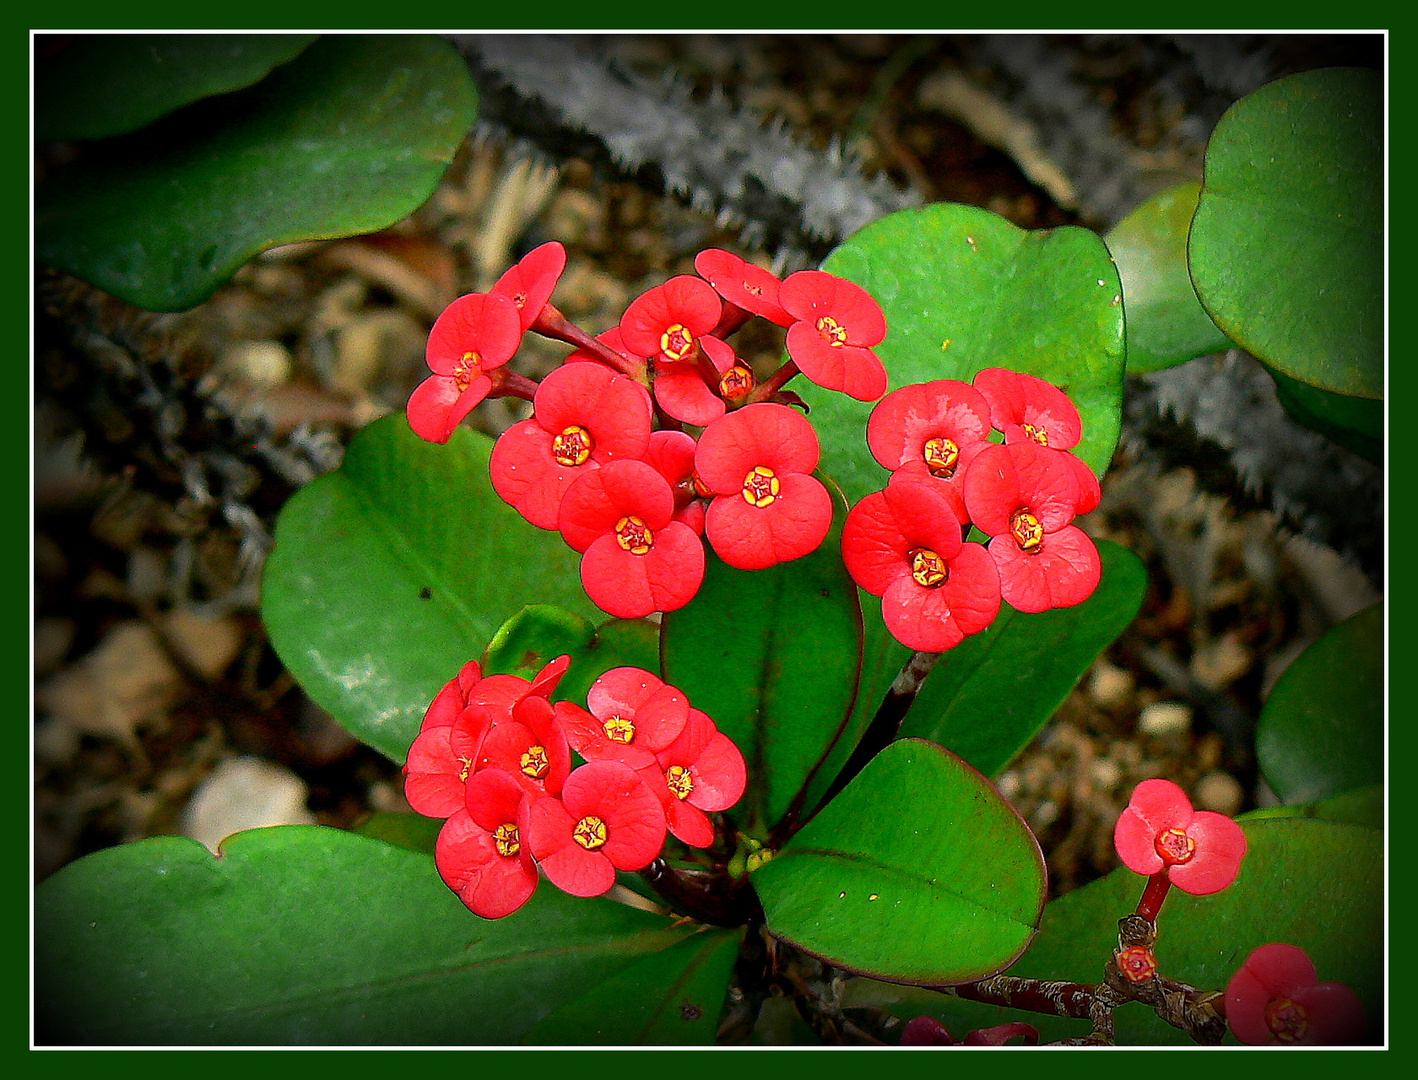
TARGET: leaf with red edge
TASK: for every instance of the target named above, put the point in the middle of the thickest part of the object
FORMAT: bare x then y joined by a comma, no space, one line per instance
917,872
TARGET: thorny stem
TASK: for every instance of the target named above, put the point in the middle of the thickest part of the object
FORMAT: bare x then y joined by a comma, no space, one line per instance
885,724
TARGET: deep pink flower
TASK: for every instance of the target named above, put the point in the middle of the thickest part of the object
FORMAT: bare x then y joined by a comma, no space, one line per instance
1159,831
671,454
1274,999
1024,495
837,323
530,282
903,544
666,322
701,772
480,852
605,820
743,284
584,415
767,509
440,761
630,715
453,698
474,334
1026,407
635,557
531,747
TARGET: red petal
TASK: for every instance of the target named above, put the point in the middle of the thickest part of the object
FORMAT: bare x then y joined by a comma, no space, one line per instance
752,538
1220,847
1336,1015
1064,571
742,283
671,454
810,294
593,505
766,434
631,586
851,369
613,408
494,798
433,783
1017,398
579,872
688,823
684,300
534,279
906,419
1281,969
480,323
681,391
720,775
437,406
1246,1000
490,884
528,478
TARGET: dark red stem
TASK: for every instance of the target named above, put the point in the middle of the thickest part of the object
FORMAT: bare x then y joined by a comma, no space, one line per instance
1151,903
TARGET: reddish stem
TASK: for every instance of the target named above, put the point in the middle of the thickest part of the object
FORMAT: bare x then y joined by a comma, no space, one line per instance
1151,903
765,390
553,324
507,383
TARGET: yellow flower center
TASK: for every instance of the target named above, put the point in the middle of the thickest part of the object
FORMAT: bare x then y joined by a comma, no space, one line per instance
1288,1020
736,382
535,761
679,781
506,839
1038,434
1026,530
760,487
928,568
676,343
465,369
633,536
1175,846
941,455
833,332
573,446
589,832
619,729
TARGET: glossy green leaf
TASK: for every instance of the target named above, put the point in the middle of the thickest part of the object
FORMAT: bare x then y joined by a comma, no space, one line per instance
963,289
412,831
534,637
617,643
1321,731
772,656
918,872
1355,423
92,86
990,695
672,998
349,137
307,935
393,571
1286,248
1362,806
1166,324
1314,884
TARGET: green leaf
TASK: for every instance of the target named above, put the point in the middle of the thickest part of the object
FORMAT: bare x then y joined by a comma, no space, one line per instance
991,694
534,637
1321,731
963,289
918,872
349,137
412,831
617,643
392,572
1314,884
1166,324
1355,423
772,656
672,998
1286,248
92,86
306,935
1362,806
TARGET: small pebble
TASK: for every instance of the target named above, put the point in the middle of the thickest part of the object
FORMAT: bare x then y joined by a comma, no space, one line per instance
1165,718
1219,792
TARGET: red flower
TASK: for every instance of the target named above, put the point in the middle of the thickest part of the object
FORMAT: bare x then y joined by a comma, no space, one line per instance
1275,1000
1199,851
743,284
699,773
903,544
636,558
767,509
605,820
584,415
671,454
1024,496
531,747
837,323
480,852
453,698
632,715
440,761
529,283
1025,407
680,386
667,321
474,334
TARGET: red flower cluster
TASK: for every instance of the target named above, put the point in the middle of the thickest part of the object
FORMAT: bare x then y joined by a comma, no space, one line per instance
494,759
604,458
1276,999
906,543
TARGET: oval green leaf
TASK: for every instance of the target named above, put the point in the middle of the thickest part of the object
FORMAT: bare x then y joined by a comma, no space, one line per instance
534,637
917,872
93,86
772,656
1355,423
1166,324
672,998
1362,806
1315,884
1286,248
306,935
349,137
393,571
963,289
991,694
1321,731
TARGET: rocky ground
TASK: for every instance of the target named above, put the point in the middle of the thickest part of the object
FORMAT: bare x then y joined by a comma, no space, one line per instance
159,706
